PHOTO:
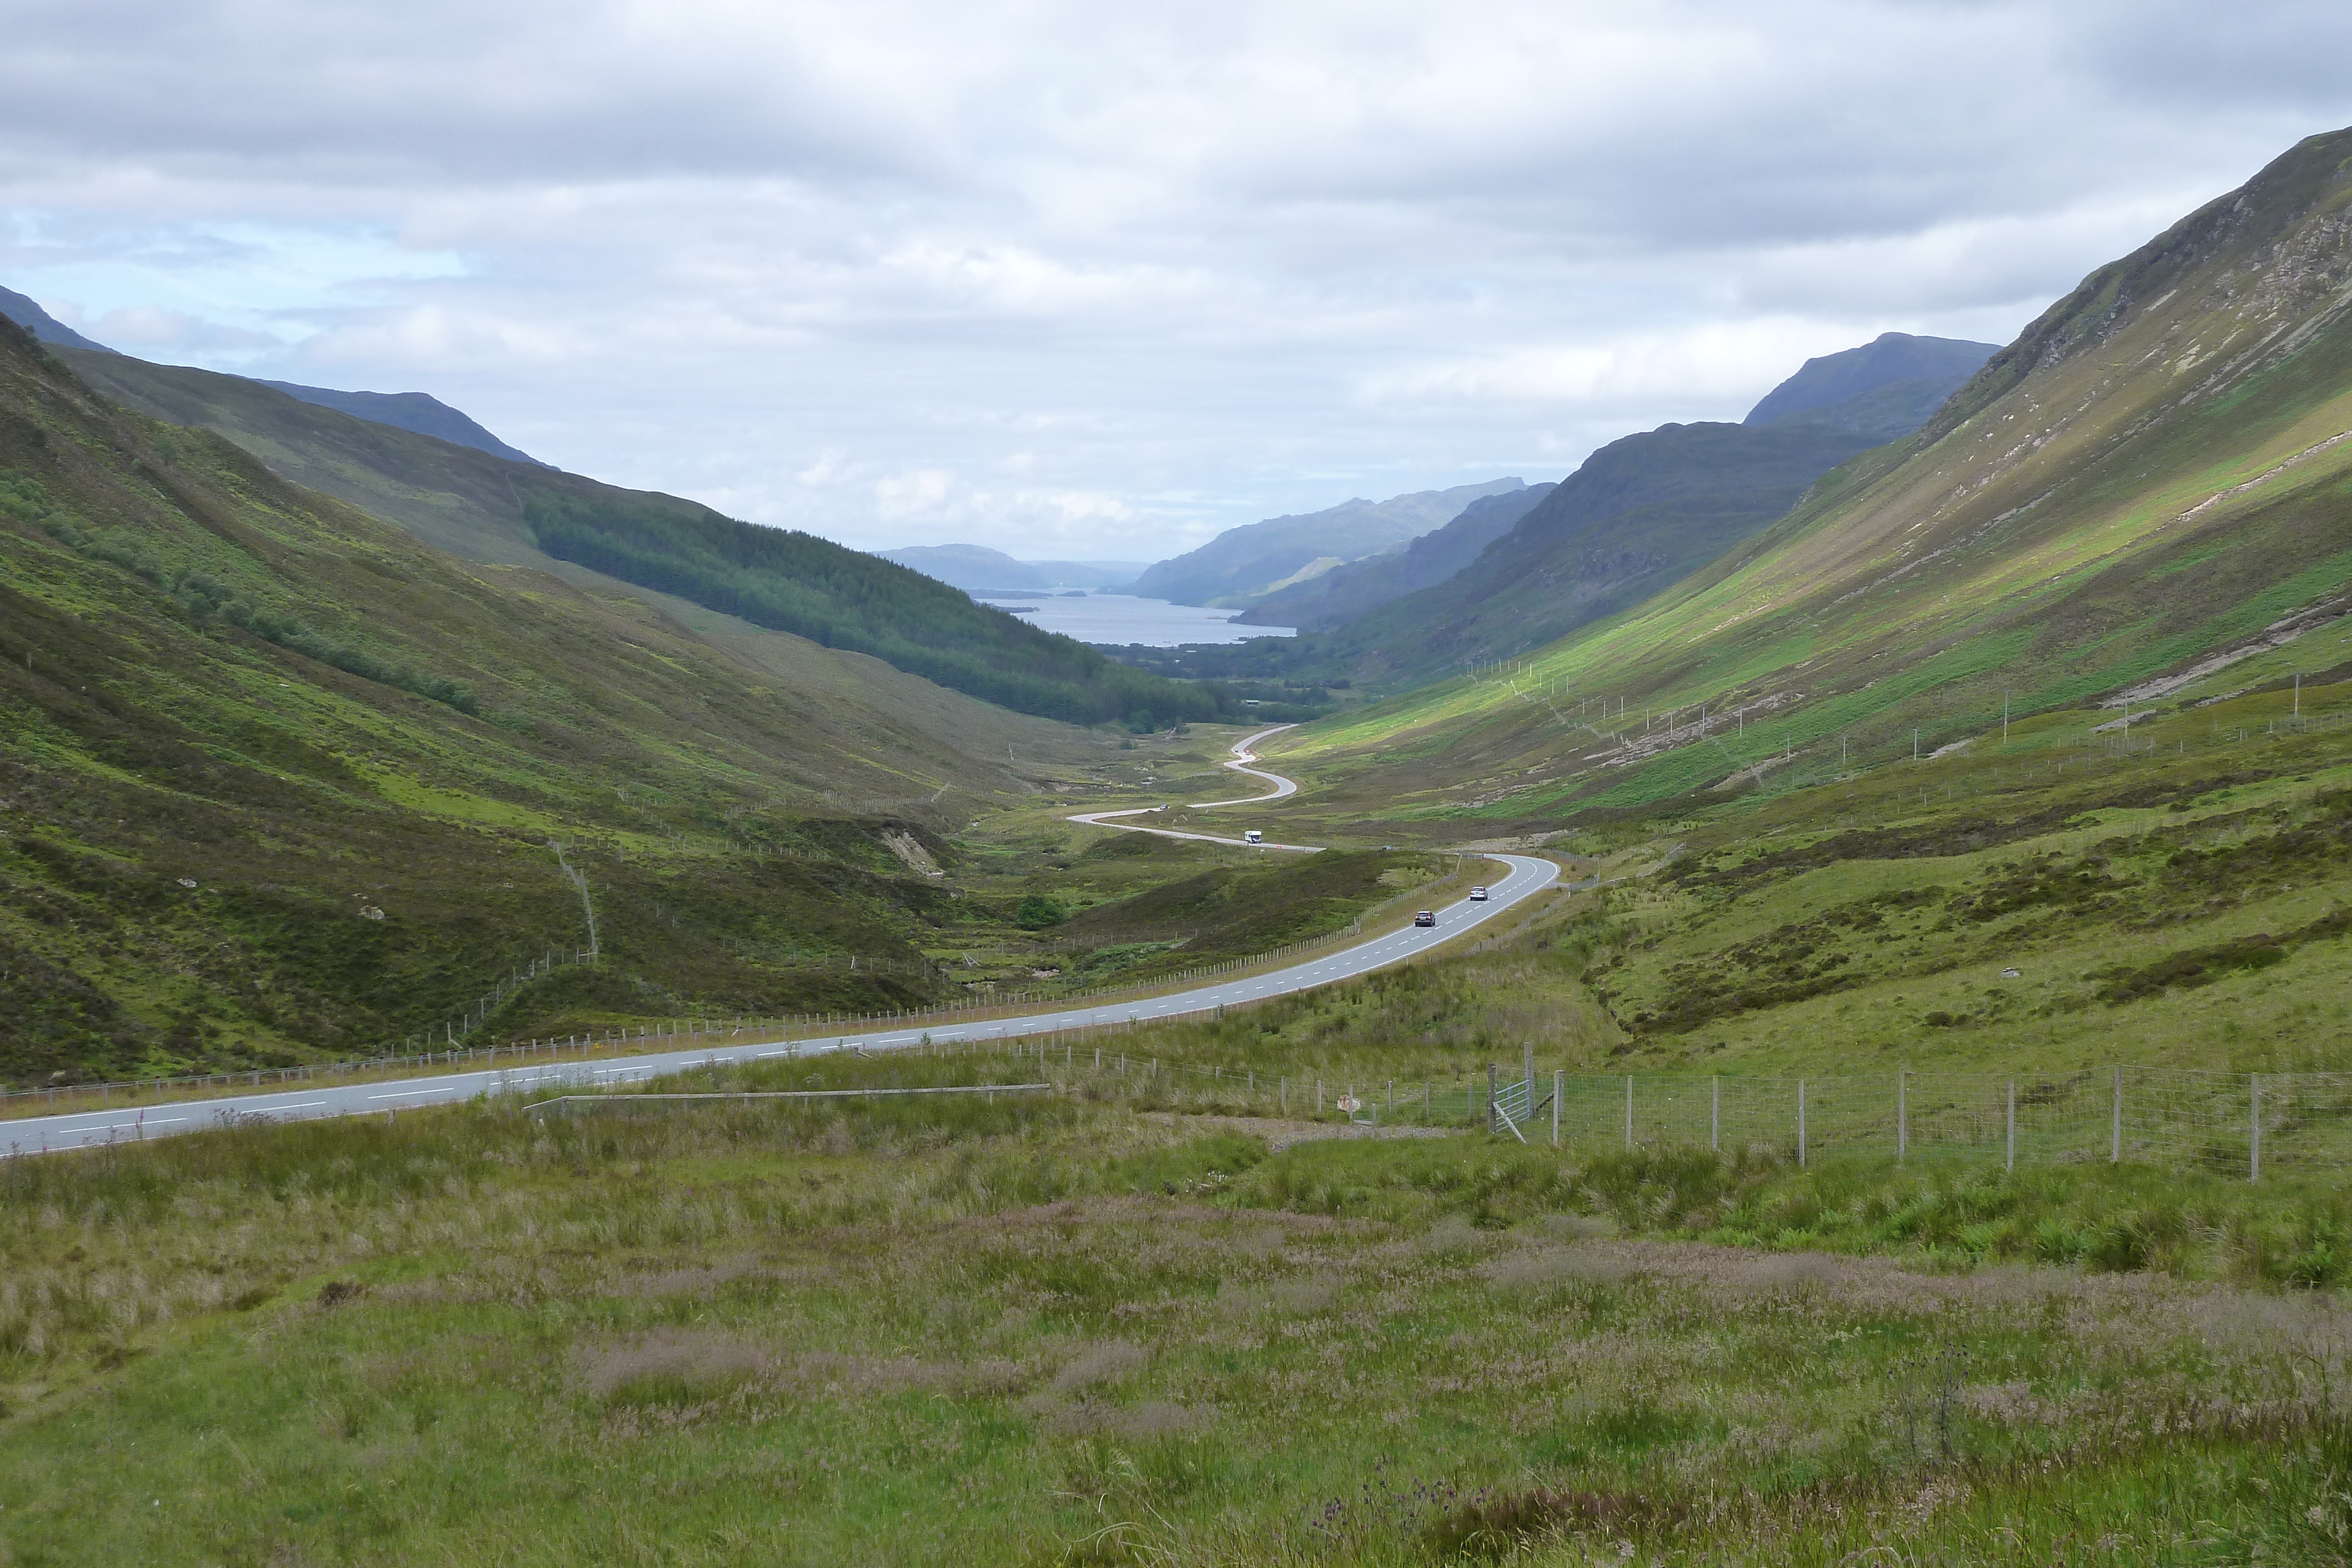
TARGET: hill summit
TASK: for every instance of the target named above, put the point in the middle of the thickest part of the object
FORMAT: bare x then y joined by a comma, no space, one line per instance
413,411
1894,367
45,327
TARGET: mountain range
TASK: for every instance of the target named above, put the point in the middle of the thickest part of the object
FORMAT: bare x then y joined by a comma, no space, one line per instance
2141,499
977,569
1646,510
1344,592
297,702
1243,565
419,411
1888,387
724,579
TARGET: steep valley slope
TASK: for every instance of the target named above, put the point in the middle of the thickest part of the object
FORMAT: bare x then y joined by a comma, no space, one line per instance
278,782
2144,498
1646,511
766,594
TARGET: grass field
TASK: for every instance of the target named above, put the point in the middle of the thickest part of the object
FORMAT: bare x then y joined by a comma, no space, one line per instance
1081,1330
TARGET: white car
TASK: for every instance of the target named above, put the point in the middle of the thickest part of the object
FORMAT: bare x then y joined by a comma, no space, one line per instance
1477,895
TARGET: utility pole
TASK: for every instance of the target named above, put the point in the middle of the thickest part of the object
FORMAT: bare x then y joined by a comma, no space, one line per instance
2004,718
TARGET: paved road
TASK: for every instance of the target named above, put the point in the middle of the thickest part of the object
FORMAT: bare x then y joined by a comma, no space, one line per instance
1524,877
1243,758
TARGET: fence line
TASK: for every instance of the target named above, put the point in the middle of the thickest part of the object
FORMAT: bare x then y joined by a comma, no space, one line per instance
990,1090
2237,1124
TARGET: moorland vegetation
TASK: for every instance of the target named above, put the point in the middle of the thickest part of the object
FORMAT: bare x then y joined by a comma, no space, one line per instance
283,784
2022,745
1105,1327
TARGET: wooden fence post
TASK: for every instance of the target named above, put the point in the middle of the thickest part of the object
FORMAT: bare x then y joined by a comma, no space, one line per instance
2115,1132
2254,1158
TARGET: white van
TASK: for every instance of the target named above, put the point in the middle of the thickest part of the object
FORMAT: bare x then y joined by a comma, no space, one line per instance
1252,836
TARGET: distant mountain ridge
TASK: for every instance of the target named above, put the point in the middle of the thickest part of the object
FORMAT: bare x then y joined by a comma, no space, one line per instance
1648,509
494,509
45,327
977,569
1892,361
420,412
1245,564
1345,592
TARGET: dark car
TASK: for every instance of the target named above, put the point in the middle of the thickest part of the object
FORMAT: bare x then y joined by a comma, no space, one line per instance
1426,917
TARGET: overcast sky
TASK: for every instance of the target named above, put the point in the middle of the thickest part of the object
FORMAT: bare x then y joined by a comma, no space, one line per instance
1096,280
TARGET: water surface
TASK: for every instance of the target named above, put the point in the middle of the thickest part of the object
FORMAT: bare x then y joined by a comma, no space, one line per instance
1122,619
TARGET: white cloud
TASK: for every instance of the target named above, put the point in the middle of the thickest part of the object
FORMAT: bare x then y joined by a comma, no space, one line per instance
1077,279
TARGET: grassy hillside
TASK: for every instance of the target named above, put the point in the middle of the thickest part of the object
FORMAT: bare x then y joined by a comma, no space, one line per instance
2154,476
730,579
2043,908
1639,514
278,782
1516,571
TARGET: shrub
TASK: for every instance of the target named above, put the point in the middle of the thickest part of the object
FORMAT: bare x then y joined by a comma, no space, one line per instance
1038,912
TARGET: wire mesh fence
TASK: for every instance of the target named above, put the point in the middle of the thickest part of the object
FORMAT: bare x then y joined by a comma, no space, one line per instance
2248,1124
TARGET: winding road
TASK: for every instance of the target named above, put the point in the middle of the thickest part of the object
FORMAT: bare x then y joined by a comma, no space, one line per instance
1243,758
1523,877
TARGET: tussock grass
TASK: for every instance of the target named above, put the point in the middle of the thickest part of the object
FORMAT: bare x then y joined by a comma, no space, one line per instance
926,1329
